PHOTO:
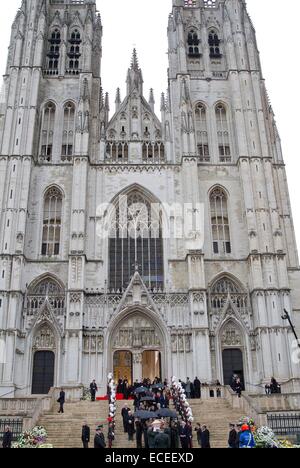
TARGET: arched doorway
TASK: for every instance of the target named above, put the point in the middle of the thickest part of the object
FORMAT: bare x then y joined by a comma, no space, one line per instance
43,372
139,334
233,365
123,366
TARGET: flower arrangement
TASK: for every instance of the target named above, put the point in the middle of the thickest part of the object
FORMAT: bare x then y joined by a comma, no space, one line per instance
265,437
36,438
86,395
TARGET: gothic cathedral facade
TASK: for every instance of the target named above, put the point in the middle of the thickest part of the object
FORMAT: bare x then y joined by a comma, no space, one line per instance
76,304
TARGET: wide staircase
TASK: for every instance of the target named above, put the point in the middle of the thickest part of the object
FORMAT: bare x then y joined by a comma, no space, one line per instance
64,431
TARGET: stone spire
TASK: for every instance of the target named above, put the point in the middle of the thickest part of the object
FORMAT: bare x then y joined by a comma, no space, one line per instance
135,77
151,99
118,99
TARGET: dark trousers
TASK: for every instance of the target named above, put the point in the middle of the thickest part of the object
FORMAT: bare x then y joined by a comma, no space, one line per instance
85,445
124,425
93,396
61,407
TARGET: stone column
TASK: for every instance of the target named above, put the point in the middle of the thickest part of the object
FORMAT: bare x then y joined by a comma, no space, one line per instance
137,365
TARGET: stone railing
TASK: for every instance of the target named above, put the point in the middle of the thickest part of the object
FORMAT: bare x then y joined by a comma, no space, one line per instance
30,409
246,406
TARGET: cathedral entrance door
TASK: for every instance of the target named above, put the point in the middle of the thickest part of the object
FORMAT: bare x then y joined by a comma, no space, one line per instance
43,372
233,365
123,366
151,365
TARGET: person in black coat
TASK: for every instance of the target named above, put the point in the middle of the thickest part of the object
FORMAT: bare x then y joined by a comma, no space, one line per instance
61,401
139,434
232,438
93,390
7,438
124,414
174,435
130,426
184,435
198,430
162,440
99,441
86,435
205,438
197,388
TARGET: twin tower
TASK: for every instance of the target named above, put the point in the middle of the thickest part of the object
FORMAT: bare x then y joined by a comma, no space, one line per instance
75,305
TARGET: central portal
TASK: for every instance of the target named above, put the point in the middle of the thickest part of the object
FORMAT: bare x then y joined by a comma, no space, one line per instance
137,349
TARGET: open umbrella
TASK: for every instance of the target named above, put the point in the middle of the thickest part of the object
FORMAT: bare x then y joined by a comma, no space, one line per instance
166,413
141,390
157,387
148,398
144,414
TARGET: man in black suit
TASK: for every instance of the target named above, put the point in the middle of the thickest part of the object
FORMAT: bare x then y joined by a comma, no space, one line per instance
197,388
124,413
232,439
93,390
61,401
86,435
205,438
99,441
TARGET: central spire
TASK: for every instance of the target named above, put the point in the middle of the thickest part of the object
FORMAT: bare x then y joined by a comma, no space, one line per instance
135,76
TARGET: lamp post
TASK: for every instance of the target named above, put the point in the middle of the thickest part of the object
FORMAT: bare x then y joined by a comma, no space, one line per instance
287,317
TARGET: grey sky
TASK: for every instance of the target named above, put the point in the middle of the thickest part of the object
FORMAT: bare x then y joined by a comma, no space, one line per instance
143,24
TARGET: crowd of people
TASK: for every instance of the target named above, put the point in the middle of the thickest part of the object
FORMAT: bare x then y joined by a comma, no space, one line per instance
273,387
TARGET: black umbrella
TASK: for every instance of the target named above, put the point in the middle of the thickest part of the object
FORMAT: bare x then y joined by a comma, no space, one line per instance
141,390
166,413
144,414
148,398
158,387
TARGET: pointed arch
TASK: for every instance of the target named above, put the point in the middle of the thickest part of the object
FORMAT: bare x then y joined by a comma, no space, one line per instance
48,117
225,292
67,150
74,50
220,227
46,291
214,43
201,129
222,124
53,55
52,222
193,42
135,239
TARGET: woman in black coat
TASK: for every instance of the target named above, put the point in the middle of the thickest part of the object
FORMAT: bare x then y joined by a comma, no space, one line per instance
7,438
205,438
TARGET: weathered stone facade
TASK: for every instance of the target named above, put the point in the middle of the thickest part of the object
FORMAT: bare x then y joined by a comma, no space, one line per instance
62,157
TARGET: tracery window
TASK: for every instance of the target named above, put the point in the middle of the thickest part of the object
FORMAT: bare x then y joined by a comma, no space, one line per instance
74,52
190,3
214,44
68,131
223,133
47,132
46,289
135,242
193,44
220,222
53,54
210,3
202,133
153,152
52,222
117,151
226,288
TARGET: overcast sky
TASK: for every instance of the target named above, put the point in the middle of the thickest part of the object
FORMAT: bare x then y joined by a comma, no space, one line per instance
143,24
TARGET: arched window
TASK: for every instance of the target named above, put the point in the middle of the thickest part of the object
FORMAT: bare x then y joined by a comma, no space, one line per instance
223,133
201,132
193,44
220,222
47,131
52,222
53,52
117,151
223,288
68,131
214,44
74,52
135,242
47,288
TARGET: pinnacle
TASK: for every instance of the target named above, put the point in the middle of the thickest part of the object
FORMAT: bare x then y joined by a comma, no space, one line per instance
134,61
